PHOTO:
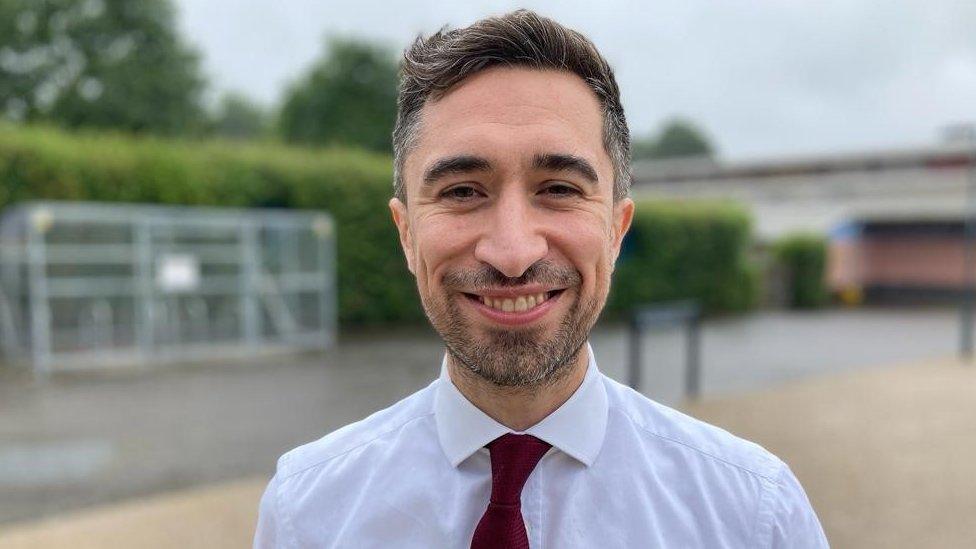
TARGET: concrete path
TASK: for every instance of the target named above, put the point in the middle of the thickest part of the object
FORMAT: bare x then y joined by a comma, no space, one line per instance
888,457
216,517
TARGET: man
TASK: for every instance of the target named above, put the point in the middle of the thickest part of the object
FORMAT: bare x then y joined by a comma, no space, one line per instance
511,181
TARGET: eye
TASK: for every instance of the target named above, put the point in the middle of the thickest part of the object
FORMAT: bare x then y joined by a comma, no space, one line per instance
560,190
460,192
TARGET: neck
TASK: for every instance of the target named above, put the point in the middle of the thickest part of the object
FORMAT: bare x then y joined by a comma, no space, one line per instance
519,408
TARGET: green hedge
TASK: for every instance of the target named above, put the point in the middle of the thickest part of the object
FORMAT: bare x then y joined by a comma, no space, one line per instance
374,284
803,258
675,250
686,250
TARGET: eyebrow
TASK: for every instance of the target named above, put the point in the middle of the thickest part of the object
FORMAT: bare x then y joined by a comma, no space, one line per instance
460,164
555,162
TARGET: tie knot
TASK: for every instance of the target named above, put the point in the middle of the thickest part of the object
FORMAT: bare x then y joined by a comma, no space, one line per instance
513,457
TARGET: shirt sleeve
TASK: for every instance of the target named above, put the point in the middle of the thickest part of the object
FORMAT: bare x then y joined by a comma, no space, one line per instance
267,535
790,519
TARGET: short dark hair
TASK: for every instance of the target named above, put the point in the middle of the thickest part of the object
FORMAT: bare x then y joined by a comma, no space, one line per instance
432,65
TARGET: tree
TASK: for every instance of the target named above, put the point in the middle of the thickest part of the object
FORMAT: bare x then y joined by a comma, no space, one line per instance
349,97
677,138
240,118
98,63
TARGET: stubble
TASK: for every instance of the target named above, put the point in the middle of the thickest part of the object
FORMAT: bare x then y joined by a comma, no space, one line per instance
517,358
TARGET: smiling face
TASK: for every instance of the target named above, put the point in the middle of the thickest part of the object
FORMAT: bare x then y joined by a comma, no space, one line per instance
510,224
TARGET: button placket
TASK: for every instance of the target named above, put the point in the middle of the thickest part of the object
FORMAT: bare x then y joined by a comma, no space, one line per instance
533,525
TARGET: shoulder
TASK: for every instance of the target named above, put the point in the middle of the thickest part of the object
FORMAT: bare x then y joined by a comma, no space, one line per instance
377,429
709,467
318,487
656,424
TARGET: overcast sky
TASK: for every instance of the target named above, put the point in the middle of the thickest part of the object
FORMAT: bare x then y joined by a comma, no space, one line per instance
764,77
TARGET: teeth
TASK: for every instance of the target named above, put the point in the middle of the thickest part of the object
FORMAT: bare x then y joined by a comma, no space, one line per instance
519,304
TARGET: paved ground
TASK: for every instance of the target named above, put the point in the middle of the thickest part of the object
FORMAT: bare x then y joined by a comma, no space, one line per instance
215,517
76,440
886,455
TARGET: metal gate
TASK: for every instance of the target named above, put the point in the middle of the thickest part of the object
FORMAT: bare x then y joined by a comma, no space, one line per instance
95,285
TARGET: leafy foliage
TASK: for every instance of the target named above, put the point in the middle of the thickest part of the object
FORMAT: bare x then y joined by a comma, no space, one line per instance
354,186
98,63
678,138
674,250
686,250
804,257
348,97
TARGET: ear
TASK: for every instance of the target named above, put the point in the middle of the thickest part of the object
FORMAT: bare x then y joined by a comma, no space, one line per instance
623,215
401,220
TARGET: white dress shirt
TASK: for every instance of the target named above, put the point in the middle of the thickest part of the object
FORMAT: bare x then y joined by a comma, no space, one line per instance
623,471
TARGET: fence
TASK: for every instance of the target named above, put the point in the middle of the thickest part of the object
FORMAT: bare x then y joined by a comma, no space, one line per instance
86,284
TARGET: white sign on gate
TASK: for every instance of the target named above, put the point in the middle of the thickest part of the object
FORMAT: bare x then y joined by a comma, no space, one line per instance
177,273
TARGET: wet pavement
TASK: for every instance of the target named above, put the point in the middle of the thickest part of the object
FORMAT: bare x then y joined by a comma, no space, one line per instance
77,440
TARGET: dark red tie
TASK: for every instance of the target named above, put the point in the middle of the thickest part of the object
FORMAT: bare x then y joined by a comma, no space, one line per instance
513,457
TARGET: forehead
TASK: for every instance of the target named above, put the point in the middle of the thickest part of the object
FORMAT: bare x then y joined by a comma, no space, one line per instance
506,113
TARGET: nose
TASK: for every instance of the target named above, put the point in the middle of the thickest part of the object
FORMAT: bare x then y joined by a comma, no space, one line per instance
512,239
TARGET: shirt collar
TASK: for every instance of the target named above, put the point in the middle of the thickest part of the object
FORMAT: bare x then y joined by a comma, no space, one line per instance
577,427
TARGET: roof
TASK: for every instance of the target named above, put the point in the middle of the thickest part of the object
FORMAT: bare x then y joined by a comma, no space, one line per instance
699,168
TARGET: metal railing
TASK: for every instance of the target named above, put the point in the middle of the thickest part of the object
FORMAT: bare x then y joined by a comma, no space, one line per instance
687,313
86,284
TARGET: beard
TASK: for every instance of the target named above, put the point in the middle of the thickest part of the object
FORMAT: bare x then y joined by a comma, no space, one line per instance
513,357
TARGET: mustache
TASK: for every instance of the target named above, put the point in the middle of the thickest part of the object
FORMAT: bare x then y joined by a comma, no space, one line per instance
486,277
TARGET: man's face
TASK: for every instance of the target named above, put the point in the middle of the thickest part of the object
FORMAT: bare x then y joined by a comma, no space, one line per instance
510,225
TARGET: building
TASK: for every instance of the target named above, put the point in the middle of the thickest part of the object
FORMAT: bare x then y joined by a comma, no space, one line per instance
895,219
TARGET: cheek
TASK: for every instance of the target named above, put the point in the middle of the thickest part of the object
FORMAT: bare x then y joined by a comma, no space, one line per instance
441,240
587,245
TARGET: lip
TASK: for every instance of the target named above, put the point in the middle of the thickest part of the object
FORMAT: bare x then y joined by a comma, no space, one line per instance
514,318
